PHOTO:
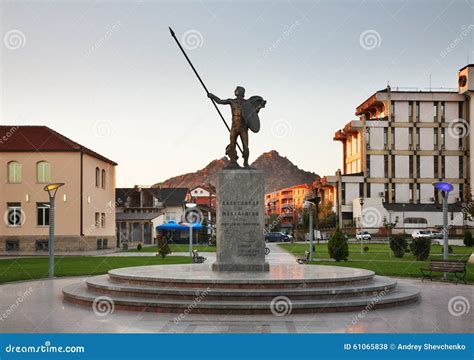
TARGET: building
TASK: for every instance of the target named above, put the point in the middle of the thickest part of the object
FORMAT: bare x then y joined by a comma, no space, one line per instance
140,210
401,143
286,203
33,156
204,194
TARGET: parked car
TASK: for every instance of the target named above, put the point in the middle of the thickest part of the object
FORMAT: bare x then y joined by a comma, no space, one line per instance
437,235
276,236
421,234
363,235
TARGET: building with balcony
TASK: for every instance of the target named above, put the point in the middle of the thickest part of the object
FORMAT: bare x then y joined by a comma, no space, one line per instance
285,203
402,142
33,156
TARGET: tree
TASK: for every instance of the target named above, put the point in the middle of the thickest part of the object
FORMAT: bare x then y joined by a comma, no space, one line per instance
338,247
398,244
468,238
163,247
203,235
421,248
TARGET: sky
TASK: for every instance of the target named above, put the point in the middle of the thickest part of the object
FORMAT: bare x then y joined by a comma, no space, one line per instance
108,75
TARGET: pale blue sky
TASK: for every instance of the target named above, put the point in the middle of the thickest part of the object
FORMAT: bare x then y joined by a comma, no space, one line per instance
109,75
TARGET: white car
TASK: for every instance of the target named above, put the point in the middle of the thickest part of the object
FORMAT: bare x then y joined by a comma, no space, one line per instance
363,235
421,234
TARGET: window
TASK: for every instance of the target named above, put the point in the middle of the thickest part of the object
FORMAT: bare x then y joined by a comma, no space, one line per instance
170,216
392,110
393,193
367,165
393,138
461,168
443,110
385,189
435,111
343,193
385,137
103,179
42,210
435,138
361,189
460,110
418,192
15,214
368,191
436,196
14,172
418,166
97,177
410,195
410,166
443,138
410,138
97,219
435,167
385,165
417,109
43,172
418,138
443,167
12,245
410,111
367,137
102,220
393,166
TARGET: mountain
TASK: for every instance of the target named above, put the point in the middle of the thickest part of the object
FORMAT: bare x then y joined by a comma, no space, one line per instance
279,172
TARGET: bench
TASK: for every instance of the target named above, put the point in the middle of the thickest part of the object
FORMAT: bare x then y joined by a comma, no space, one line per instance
304,259
457,268
197,259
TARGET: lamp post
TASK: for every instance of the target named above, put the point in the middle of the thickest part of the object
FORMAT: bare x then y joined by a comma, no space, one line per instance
190,224
52,190
361,202
309,202
445,189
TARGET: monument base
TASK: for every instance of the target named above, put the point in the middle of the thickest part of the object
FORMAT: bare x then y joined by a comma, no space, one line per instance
240,221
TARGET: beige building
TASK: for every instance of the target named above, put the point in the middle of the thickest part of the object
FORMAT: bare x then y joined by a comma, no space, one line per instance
31,157
402,142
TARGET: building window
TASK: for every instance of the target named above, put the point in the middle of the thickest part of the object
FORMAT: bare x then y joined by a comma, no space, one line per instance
14,214
368,191
385,190
417,109
461,167
435,138
103,179
436,196
385,137
367,166
393,165
410,138
418,141
443,167
410,195
43,172
460,110
367,137
97,177
418,193
435,167
361,189
418,166
102,220
393,193
343,193
410,166
14,172
410,111
97,219
435,111
393,138
42,210
443,110
392,110
443,138
385,165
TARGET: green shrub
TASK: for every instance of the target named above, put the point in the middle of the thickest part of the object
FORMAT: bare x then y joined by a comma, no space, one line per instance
398,244
337,246
163,247
366,249
421,248
468,238
139,247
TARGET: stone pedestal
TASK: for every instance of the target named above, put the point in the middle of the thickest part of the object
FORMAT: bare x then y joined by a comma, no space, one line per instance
240,221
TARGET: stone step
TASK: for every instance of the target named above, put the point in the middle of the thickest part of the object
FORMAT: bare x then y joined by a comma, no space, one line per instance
80,294
102,284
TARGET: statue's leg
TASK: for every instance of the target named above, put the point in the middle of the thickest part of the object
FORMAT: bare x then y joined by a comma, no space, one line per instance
232,152
244,135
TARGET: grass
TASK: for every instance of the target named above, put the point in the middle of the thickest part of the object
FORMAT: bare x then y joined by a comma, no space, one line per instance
380,259
177,248
37,267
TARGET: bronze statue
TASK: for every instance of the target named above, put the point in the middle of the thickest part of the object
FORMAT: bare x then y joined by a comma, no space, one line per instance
244,117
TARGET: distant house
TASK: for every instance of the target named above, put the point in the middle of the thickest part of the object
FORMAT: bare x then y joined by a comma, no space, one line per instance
140,209
33,156
204,194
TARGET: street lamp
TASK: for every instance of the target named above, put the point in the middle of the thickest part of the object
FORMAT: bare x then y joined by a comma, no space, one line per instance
314,201
361,202
445,189
52,189
190,206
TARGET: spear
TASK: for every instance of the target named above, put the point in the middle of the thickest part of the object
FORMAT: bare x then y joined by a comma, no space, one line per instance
202,82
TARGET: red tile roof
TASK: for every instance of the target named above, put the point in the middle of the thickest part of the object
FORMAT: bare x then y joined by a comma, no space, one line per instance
41,139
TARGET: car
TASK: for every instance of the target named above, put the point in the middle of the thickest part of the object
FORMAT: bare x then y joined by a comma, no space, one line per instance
363,235
437,235
421,234
276,236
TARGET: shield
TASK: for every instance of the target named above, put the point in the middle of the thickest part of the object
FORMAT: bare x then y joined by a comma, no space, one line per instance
250,109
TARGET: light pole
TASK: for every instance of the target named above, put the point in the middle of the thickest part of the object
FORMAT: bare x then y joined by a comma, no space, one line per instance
361,202
51,189
309,202
445,189
190,224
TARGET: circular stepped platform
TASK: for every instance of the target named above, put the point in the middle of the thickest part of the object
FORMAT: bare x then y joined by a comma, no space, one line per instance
303,289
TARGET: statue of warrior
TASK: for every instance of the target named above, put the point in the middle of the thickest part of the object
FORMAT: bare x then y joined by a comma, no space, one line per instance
244,117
